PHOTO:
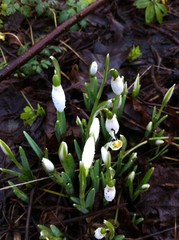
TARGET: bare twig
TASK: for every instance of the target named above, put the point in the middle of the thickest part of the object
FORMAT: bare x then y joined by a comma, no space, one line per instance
35,49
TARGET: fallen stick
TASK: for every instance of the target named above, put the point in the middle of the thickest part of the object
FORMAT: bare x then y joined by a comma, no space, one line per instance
35,49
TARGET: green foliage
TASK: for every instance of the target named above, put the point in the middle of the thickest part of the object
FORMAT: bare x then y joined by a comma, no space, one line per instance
26,7
51,233
134,54
39,63
72,8
154,10
30,114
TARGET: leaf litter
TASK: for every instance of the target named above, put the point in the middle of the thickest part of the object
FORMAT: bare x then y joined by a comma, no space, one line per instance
113,29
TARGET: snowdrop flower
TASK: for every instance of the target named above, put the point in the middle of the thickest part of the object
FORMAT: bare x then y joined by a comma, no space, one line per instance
109,193
58,97
159,142
131,176
95,128
48,165
105,155
168,95
115,145
117,85
145,187
136,87
4,147
93,68
149,126
112,126
100,233
88,152
63,151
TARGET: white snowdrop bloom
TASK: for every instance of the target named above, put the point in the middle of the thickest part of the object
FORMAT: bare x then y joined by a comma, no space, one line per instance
117,85
58,97
93,68
63,151
112,126
95,128
115,145
131,176
159,142
98,234
109,193
48,165
145,187
2,146
105,155
88,152
149,126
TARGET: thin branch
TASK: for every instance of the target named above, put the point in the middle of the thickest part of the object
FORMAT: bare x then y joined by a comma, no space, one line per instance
35,49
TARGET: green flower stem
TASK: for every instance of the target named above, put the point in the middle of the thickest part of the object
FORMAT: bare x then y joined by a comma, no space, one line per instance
158,138
134,148
56,65
82,179
98,95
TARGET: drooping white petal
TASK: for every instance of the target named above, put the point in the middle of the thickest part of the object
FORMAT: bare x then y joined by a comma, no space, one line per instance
48,165
93,68
58,97
88,152
109,193
112,126
105,155
98,233
95,128
117,85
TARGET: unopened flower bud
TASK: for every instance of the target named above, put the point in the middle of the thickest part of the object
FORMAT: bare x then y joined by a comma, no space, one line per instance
136,87
105,155
63,151
58,97
145,187
131,176
93,68
109,193
149,126
88,152
48,165
117,85
95,128
159,142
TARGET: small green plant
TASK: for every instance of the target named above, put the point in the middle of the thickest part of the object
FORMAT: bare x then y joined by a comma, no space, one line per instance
154,10
134,54
72,8
51,233
30,114
25,7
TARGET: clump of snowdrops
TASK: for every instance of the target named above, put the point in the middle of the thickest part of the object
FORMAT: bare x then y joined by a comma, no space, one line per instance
101,156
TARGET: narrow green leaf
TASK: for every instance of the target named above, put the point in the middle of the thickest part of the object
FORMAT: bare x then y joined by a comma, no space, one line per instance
80,208
19,193
78,150
25,163
34,145
90,198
